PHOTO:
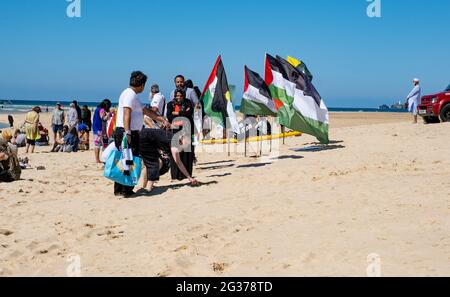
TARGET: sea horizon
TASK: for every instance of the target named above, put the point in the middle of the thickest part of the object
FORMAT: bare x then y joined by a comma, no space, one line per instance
22,106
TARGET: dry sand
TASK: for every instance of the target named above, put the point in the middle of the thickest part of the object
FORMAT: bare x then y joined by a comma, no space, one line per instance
382,187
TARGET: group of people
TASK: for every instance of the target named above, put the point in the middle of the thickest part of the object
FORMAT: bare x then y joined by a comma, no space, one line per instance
70,133
161,134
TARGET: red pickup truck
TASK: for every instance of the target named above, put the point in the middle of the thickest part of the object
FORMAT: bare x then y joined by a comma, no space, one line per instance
436,108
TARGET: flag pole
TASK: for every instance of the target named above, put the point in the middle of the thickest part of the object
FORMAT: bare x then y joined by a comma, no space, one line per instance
260,138
229,145
245,140
271,126
283,130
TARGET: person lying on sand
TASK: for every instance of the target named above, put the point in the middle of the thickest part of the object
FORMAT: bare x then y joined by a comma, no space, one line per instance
156,149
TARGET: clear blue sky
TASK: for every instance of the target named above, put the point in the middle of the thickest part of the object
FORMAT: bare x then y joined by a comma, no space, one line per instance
357,61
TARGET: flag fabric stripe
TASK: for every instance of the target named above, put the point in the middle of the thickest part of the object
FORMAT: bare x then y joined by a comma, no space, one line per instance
298,80
301,66
253,94
308,125
250,107
207,102
257,99
212,76
308,107
253,79
268,77
217,97
303,108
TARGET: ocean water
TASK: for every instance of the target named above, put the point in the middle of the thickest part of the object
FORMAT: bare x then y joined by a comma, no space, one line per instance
16,106
25,106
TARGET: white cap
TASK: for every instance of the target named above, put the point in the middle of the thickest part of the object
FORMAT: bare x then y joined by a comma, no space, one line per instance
416,80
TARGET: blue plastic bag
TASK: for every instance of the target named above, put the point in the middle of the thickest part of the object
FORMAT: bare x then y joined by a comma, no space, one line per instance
114,170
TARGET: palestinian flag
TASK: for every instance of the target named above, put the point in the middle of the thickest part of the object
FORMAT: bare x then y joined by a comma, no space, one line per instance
303,109
257,100
216,97
300,65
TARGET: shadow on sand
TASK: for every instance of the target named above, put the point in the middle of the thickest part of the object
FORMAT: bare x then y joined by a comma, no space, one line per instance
286,157
255,165
331,142
219,175
214,163
161,190
215,167
318,148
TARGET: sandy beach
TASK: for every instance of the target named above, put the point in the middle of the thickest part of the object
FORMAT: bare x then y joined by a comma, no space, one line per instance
382,188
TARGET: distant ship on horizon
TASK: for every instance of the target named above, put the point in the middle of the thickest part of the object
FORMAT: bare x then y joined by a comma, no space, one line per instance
397,106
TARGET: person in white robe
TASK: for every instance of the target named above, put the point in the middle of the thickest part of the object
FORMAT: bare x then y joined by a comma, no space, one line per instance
414,98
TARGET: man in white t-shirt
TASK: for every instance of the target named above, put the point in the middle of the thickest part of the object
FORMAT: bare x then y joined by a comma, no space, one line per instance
157,104
157,100
130,120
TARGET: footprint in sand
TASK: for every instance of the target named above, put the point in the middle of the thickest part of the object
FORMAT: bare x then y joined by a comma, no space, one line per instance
181,248
6,232
48,250
110,233
16,254
32,245
5,271
160,274
309,258
219,267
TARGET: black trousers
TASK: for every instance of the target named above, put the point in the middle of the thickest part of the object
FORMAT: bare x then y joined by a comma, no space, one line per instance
118,136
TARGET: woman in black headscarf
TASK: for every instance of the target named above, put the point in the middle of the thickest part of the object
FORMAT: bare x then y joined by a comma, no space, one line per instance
180,113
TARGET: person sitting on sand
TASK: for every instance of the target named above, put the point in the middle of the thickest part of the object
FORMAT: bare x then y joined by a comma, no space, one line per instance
59,142
71,141
19,139
83,135
6,135
9,163
43,136
155,146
